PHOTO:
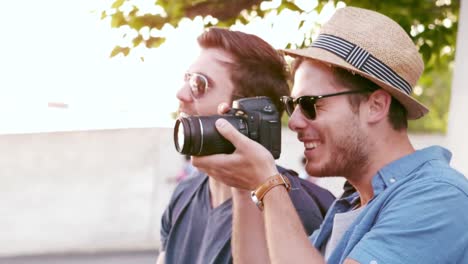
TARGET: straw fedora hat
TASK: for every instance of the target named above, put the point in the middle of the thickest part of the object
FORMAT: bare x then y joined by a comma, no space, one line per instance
372,45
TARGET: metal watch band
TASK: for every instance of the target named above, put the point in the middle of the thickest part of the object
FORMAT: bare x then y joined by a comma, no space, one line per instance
258,194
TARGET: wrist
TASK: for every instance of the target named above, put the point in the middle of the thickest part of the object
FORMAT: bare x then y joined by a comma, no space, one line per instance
240,194
274,181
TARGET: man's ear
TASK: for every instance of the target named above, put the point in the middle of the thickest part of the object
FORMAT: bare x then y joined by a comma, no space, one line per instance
378,105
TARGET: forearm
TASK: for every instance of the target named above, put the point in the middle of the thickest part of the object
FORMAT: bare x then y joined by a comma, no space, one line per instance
248,234
286,238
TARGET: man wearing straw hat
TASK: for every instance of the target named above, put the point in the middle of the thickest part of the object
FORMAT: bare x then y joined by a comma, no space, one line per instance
350,104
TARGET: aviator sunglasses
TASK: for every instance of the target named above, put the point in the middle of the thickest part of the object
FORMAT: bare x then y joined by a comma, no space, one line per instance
198,83
307,102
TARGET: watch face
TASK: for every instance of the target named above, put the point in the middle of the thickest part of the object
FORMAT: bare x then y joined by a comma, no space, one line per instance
255,199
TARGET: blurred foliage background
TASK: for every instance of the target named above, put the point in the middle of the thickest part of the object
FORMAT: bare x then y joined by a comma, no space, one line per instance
432,24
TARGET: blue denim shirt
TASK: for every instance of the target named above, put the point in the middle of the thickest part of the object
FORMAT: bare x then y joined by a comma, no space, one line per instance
419,214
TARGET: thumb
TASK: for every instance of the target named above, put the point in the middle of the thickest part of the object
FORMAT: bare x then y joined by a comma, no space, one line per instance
229,132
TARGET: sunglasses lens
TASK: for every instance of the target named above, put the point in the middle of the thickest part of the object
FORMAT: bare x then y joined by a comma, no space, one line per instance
288,104
308,107
198,84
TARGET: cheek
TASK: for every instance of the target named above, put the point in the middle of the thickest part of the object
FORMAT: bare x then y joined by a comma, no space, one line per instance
340,128
207,107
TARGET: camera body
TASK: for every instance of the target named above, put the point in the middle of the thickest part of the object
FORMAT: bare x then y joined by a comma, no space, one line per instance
255,117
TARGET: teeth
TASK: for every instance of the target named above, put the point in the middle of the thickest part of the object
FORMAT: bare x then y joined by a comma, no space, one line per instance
311,145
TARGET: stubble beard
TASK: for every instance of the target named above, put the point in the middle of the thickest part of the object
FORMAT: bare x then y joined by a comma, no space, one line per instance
349,153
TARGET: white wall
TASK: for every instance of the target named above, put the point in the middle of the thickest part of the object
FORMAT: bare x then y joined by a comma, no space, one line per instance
458,121
84,191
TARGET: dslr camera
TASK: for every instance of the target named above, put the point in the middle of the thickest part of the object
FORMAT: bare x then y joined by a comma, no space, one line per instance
255,117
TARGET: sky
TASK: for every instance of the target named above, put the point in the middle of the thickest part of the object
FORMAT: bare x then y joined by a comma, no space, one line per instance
56,53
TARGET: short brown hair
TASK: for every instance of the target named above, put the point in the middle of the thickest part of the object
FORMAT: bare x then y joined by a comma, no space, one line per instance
258,69
397,114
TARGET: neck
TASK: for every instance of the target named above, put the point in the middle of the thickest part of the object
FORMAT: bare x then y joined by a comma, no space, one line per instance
383,153
219,192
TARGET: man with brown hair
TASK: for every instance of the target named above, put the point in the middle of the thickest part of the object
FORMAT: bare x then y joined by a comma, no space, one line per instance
350,104
196,226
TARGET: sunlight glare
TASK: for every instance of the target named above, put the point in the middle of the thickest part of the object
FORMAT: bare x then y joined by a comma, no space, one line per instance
267,5
306,5
68,64
327,11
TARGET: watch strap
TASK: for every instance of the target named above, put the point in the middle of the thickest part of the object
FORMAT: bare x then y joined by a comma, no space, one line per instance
273,181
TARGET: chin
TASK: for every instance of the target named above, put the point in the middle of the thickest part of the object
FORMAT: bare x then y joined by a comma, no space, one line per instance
315,172
319,170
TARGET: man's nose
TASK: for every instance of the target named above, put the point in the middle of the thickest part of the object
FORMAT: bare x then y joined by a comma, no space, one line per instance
297,120
183,94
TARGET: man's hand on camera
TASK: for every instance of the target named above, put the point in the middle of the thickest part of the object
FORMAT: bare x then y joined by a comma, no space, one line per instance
247,168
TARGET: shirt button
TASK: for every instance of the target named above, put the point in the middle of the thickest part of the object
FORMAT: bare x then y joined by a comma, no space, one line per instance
392,180
373,262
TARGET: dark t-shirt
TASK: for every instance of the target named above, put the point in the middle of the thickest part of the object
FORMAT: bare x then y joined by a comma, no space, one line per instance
193,232
200,232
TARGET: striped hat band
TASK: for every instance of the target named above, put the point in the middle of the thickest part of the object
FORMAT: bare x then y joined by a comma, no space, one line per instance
362,60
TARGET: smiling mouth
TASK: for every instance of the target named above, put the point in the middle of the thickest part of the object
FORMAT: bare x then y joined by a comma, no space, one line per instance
311,145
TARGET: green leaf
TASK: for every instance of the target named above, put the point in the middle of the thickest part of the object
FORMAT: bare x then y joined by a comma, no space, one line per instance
426,52
117,49
153,42
118,20
136,41
291,6
117,3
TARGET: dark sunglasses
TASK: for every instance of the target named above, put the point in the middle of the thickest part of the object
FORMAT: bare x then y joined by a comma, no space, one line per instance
198,83
307,102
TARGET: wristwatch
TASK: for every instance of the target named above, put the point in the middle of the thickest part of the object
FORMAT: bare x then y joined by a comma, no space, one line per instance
276,180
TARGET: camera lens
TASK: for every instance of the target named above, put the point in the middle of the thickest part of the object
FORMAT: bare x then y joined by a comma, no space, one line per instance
180,136
255,117
187,135
198,136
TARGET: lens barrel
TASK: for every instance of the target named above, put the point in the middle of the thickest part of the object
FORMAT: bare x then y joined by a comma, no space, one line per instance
198,136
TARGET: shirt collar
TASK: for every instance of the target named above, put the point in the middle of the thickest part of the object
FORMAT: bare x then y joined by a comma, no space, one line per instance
399,169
